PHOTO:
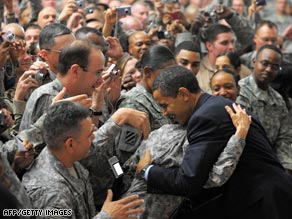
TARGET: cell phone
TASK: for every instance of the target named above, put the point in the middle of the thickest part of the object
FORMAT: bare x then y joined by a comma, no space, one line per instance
129,139
261,2
176,15
123,11
169,1
116,167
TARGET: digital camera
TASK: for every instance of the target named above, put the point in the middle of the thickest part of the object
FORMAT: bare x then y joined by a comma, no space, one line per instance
123,11
79,3
8,36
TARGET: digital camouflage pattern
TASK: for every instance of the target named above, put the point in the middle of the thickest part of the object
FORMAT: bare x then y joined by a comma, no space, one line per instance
272,112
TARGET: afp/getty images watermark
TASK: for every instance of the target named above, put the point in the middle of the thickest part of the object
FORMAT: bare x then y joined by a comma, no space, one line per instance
38,212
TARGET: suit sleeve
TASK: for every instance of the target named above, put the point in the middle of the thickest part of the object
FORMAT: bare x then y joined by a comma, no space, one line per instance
207,137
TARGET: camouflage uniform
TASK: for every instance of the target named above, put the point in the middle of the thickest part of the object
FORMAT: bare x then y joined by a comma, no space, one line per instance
168,145
39,101
13,183
50,185
271,110
138,98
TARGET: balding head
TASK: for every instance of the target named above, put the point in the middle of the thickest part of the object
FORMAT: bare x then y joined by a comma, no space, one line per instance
47,16
131,23
16,29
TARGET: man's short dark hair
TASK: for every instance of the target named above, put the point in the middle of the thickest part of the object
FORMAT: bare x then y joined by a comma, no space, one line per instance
75,53
270,24
49,32
211,33
63,120
272,47
189,46
174,77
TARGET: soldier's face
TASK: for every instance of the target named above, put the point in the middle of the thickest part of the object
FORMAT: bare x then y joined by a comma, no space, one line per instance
84,140
267,66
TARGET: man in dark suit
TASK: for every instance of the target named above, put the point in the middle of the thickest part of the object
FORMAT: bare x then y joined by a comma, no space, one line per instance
258,188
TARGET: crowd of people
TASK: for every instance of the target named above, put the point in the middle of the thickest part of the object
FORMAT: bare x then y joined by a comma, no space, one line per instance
146,108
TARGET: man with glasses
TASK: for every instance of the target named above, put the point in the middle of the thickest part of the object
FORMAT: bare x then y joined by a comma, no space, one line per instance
52,39
266,33
258,96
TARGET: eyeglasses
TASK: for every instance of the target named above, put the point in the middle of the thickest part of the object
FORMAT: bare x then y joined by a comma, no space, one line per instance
53,50
266,63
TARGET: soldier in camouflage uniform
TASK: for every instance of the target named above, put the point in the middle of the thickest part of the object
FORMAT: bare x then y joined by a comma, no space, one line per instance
167,146
259,97
56,180
140,97
52,39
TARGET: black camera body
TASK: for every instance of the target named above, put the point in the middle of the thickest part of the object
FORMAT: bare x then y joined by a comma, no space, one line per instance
261,2
163,34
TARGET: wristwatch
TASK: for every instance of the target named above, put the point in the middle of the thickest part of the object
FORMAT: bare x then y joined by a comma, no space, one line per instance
143,171
93,112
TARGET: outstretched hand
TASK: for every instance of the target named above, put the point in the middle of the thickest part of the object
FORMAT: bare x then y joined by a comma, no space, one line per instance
124,208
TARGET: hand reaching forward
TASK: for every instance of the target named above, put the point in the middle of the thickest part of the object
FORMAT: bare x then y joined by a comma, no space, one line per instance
124,208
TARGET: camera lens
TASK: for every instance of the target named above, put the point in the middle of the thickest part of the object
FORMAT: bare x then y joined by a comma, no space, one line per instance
126,11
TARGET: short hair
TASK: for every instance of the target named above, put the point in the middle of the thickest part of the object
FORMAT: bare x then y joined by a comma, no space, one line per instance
233,57
63,120
272,47
174,77
49,32
270,24
235,76
154,57
189,46
75,53
31,26
83,31
211,33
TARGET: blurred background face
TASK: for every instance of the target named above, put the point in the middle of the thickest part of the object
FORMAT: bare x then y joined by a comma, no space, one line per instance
265,36
223,62
189,59
223,84
130,69
238,6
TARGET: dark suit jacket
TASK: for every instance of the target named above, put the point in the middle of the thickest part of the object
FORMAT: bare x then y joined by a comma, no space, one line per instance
259,187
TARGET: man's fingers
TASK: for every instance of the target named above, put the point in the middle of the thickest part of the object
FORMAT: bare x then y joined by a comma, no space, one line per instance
135,211
109,196
128,199
135,203
229,111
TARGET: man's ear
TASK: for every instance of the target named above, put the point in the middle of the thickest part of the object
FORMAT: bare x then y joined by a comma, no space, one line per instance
76,70
69,145
43,54
209,46
184,93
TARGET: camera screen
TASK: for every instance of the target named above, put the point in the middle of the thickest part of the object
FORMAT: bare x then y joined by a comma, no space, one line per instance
118,168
